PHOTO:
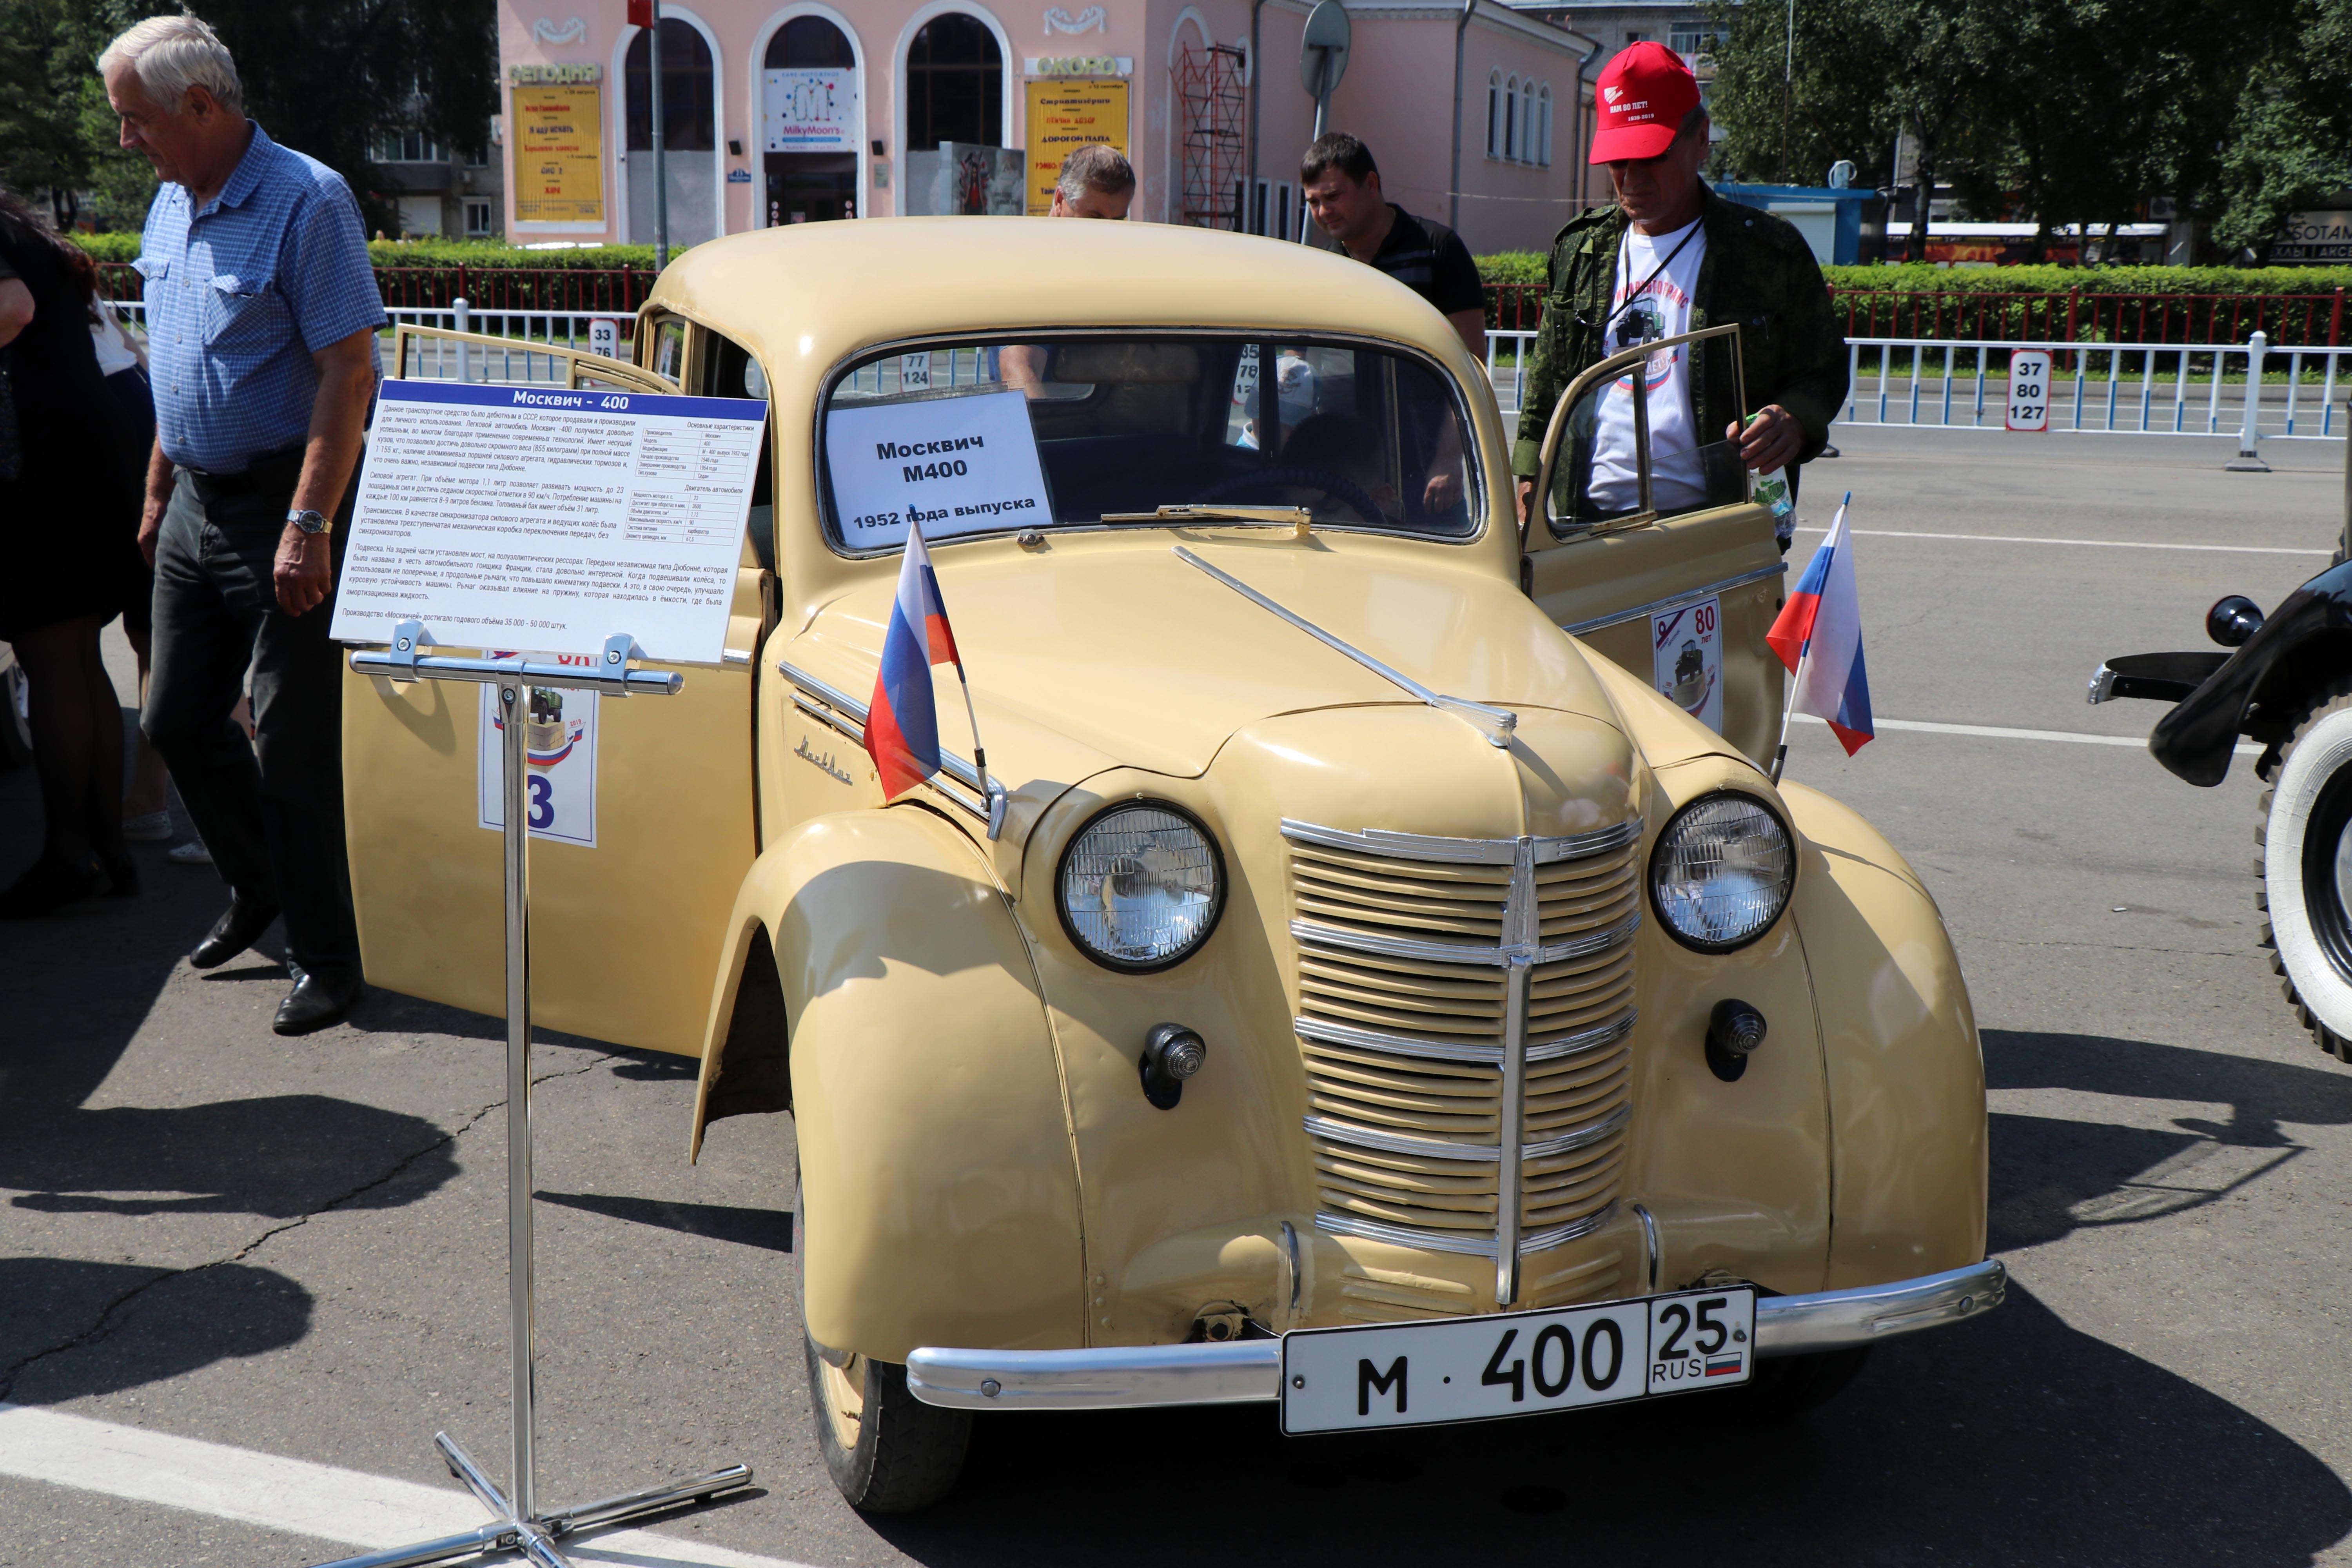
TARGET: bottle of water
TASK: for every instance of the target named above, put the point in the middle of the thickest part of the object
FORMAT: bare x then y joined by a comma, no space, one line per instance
1772,494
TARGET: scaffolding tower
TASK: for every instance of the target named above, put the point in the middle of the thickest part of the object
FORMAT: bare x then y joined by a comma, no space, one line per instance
1209,88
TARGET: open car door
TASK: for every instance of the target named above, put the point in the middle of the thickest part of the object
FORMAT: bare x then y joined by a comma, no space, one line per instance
630,886
1669,567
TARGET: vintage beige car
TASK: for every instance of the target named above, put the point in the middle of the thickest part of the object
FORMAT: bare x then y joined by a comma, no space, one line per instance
1352,985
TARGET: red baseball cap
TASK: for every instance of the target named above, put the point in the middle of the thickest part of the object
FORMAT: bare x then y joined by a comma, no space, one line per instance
1639,103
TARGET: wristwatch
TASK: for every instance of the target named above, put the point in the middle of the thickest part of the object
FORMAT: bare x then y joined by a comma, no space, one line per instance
307,521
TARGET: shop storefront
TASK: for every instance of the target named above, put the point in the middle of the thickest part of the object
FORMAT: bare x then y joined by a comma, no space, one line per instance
808,112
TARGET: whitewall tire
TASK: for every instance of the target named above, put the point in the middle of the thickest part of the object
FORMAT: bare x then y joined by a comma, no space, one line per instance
2305,833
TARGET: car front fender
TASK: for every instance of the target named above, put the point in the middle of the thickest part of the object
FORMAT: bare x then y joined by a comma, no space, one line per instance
939,1185
1905,1075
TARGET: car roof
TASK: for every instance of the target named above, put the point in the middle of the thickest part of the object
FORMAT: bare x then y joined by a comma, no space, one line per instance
803,296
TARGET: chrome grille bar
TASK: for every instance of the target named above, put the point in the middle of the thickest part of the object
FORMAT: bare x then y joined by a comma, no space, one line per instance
1413,1143
1467,1243
1326,1031
1591,943
1463,851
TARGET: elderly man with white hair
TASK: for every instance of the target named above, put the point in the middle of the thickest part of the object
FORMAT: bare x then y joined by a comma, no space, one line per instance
262,312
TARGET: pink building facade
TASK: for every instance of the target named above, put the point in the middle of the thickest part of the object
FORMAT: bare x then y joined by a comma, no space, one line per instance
799,111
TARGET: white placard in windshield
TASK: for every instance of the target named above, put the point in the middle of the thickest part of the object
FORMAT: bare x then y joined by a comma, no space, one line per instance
550,516
957,465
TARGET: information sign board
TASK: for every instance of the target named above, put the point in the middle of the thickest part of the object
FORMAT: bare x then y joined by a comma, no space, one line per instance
2029,389
559,161
1064,115
810,110
499,515
957,463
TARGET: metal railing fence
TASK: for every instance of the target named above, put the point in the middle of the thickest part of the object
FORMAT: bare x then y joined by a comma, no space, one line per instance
2122,389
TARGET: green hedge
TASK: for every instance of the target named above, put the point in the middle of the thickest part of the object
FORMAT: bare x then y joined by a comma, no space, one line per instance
1504,266
434,253
1528,266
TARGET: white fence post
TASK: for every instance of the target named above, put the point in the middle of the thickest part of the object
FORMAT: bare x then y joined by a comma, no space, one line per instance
2249,460
465,320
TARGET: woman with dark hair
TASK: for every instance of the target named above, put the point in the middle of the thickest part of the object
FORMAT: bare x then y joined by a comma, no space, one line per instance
68,534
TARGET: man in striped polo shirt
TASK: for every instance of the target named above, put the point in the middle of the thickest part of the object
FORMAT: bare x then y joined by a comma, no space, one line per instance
262,311
1343,192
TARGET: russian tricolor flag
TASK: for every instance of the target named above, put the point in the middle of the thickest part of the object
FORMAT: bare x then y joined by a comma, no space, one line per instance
902,729
1819,638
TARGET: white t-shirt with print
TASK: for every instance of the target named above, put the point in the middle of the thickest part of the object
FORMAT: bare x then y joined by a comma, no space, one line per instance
1644,309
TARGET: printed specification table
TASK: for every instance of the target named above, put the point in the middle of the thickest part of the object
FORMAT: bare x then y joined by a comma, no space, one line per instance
551,518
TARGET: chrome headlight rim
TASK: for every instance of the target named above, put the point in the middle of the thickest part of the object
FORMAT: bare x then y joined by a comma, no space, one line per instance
1216,901
1666,836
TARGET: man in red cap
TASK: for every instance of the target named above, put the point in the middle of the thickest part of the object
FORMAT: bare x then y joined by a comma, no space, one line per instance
1672,257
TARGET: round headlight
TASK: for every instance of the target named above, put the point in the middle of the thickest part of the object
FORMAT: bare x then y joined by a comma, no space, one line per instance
1721,873
1140,886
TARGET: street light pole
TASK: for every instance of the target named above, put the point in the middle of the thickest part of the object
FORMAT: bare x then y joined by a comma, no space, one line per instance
661,155
1787,88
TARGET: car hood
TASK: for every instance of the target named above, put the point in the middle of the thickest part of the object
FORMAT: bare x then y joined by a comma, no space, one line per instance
1097,651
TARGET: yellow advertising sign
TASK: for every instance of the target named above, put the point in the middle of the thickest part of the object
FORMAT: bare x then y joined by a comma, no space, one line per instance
559,154
1065,114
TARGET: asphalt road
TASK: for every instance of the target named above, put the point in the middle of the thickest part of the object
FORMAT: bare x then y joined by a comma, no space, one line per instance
296,1247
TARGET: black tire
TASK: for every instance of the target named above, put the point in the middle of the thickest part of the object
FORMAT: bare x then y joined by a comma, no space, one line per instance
2311,947
892,1453
1785,1388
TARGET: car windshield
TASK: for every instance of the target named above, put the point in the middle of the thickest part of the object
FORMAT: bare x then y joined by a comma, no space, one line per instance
1088,431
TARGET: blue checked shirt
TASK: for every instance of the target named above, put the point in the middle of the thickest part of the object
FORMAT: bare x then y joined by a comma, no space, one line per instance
241,293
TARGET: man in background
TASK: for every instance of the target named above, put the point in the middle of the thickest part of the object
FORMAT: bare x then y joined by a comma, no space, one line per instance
1096,181
262,311
1343,194
1672,257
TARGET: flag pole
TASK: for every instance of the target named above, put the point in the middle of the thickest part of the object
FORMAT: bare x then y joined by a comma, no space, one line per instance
988,793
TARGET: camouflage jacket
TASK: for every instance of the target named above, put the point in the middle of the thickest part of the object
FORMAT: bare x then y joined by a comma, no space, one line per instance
1758,272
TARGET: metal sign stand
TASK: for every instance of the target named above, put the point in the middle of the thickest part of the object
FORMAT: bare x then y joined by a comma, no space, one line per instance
518,1524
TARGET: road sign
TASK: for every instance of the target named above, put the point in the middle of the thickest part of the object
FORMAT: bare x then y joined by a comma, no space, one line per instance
1323,50
2029,389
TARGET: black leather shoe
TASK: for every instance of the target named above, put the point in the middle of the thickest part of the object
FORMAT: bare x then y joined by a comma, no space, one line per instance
318,998
232,933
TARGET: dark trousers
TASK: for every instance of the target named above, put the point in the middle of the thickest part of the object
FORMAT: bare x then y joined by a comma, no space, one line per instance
270,811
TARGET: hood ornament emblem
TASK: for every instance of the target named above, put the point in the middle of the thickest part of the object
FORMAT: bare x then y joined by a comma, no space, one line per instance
1496,724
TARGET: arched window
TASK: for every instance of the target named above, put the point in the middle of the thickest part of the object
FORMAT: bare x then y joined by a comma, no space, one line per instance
1543,129
1494,114
688,124
1527,124
809,43
955,84
1511,118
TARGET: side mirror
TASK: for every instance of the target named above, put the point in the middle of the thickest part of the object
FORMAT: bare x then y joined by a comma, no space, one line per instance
2233,620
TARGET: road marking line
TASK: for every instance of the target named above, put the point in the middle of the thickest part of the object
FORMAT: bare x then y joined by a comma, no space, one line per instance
370,1512
2097,544
1998,733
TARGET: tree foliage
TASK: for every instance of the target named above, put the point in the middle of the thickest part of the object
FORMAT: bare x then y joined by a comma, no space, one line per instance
2066,111
321,76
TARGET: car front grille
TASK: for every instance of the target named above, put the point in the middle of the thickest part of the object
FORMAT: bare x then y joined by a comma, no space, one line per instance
1449,988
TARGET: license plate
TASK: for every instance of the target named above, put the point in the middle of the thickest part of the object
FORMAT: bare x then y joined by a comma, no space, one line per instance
1517,1363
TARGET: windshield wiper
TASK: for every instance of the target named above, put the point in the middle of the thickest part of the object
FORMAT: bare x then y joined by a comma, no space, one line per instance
1297,516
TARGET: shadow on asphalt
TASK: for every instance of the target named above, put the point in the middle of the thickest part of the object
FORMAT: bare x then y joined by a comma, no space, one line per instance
768,1229
2013,1440
225,1311
2052,1176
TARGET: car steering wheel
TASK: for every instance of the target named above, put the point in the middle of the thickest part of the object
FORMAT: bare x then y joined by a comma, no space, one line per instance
1334,484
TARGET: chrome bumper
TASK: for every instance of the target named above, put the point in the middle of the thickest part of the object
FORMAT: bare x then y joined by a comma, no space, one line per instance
1244,1371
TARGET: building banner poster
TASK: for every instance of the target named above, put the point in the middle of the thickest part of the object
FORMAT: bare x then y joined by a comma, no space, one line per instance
559,154
1065,115
810,111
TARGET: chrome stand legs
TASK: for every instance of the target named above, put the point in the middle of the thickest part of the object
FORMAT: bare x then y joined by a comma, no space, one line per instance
517,1524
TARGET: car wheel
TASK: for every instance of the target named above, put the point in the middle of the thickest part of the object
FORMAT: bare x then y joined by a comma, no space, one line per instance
2305,872
1785,1388
888,1451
